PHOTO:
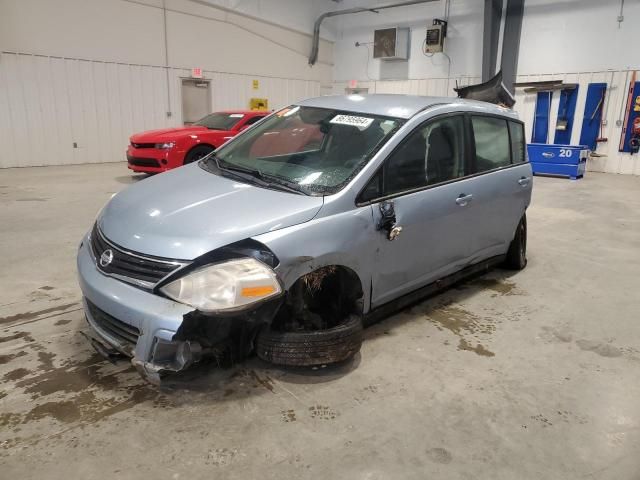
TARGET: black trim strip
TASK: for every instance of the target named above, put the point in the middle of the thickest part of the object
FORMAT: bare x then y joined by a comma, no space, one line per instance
112,325
431,289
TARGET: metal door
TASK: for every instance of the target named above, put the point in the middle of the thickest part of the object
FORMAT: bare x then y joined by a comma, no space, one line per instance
437,227
437,221
500,194
196,100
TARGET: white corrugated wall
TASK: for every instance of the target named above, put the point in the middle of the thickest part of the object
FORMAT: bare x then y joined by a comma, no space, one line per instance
437,87
48,104
610,161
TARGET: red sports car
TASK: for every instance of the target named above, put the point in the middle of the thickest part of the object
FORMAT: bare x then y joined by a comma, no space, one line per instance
160,150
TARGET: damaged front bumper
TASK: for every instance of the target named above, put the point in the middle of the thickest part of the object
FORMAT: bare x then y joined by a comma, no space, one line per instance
160,335
129,321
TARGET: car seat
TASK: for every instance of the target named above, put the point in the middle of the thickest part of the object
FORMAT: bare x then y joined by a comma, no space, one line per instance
440,155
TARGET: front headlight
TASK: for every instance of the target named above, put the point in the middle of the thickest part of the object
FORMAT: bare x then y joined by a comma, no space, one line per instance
230,285
165,146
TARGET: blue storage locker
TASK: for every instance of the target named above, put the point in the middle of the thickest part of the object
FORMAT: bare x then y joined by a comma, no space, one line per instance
562,160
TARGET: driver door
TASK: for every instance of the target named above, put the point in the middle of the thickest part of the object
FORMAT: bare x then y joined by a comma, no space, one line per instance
423,182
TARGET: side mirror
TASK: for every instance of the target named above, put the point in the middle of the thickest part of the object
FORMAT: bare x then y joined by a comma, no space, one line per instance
388,220
387,216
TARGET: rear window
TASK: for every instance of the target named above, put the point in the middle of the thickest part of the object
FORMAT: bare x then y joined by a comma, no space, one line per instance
492,143
516,130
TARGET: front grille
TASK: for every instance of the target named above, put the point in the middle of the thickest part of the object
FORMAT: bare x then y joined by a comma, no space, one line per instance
131,267
143,145
143,162
125,333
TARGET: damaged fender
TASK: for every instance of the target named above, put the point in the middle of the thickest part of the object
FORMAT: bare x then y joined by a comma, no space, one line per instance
315,247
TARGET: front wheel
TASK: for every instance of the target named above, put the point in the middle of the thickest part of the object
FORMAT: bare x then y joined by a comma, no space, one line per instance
311,348
517,253
197,153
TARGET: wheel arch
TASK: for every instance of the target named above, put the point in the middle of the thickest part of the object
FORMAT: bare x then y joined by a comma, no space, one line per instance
322,297
201,144
185,158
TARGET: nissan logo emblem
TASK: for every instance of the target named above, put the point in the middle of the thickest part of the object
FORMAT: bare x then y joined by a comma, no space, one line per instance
106,258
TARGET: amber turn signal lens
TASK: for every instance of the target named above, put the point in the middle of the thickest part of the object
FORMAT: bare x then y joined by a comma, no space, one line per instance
257,291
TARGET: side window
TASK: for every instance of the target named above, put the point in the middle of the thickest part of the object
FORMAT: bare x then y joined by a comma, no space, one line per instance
492,143
252,120
373,189
433,153
516,131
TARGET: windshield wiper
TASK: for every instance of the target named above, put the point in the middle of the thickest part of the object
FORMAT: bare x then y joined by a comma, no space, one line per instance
264,178
284,183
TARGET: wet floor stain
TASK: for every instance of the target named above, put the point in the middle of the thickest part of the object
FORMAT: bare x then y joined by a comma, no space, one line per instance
440,455
602,349
322,412
542,420
30,315
460,321
288,416
16,374
479,348
555,335
498,286
16,336
570,417
220,457
87,407
62,411
365,394
7,358
466,325
46,360
265,382
76,393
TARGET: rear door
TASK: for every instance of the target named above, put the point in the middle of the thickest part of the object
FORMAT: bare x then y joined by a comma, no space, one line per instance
425,182
502,183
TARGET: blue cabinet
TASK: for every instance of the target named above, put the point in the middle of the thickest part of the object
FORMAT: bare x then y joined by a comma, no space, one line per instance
562,160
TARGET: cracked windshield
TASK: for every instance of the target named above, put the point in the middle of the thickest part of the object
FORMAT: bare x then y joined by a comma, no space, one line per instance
315,151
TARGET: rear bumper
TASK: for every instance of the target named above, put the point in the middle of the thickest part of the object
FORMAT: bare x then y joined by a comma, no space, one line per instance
153,160
156,320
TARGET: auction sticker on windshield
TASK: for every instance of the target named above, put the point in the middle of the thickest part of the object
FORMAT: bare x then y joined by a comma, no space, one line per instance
360,122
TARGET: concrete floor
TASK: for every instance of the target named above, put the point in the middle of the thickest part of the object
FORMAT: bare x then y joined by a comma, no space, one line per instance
533,375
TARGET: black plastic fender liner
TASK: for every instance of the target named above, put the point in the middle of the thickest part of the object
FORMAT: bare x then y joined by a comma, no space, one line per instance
231,334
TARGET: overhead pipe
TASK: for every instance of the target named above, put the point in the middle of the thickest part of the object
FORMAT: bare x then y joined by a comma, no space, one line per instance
491,38
313,56
511,42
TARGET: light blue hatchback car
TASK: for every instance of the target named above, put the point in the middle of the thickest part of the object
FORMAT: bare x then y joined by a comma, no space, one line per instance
323,216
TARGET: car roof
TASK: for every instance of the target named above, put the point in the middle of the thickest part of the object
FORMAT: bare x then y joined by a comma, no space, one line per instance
246,112
399,106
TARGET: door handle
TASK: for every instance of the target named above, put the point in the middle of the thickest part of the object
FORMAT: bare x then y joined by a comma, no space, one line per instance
524,181
463,199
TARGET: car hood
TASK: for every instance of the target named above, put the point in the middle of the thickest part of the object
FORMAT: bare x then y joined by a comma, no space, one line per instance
187,212
166,134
